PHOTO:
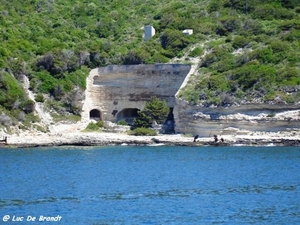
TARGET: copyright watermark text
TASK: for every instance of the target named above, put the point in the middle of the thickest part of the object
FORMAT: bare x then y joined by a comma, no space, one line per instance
30,218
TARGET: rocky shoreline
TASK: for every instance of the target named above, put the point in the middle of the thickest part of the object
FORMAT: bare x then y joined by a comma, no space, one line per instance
104,139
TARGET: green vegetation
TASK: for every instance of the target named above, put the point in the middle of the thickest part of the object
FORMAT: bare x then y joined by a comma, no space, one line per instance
253,55
122,123
142,131
94,126
250,48
155,110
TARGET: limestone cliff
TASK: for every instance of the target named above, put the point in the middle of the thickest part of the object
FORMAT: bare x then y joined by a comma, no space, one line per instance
251,117
117,92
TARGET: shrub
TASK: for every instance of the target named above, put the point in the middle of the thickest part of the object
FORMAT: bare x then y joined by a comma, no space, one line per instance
94,126
47,84
31,118
214,5
269,12
196,52
143,120
10,91
100,124
228,24
251,26
289,99
173,41
264,55
122,123
271,114
218,82
39,98
288,76
142,131
155,110
240,42
29,106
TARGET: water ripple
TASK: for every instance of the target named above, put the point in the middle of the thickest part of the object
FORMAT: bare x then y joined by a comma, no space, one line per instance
181,193
19,202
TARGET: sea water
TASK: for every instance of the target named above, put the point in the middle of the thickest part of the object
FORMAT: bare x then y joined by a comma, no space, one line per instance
150,185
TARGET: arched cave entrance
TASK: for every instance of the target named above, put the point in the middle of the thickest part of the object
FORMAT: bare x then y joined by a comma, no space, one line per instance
128,115
95,114
169,125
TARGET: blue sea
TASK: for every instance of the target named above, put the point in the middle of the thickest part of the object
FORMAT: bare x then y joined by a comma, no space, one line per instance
150,185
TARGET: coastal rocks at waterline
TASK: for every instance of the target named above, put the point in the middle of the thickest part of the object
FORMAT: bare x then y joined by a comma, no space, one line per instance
254,118
291,138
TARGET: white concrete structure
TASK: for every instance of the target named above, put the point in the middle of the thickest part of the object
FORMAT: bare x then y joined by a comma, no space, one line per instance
188,32
149,32
117,92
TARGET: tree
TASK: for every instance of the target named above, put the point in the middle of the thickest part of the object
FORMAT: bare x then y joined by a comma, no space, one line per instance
155,110
143,120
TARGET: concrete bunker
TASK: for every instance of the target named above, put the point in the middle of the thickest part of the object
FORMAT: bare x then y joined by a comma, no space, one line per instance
121,90
95,114
128,115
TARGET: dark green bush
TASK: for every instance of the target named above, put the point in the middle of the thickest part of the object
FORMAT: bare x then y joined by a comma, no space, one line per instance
100,123
240,42
292,35
264,55
10,91
229,24
39,98
122,122
217,54
142,131
174,41
288,76
289,24
143,120
94,126
155,110
218,82
29,106
47,84
196,52
214,6
254,76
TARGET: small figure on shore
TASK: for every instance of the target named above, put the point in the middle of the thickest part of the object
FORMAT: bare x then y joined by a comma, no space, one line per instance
4,140
216,138
222,139
155,140
196,137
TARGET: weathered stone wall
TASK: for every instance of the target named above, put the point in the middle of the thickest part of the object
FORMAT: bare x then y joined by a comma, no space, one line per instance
112,89
119,91
217,120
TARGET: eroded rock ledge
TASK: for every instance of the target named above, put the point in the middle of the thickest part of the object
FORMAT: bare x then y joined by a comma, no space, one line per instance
236,138
206,121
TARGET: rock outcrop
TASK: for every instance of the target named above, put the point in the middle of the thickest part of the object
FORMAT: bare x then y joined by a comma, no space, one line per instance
116,93
256,117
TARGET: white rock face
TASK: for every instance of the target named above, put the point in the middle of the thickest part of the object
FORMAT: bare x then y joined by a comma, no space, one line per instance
207,121
113,89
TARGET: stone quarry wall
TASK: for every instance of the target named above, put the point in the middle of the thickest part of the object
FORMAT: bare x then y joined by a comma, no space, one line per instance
118,91
235,120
